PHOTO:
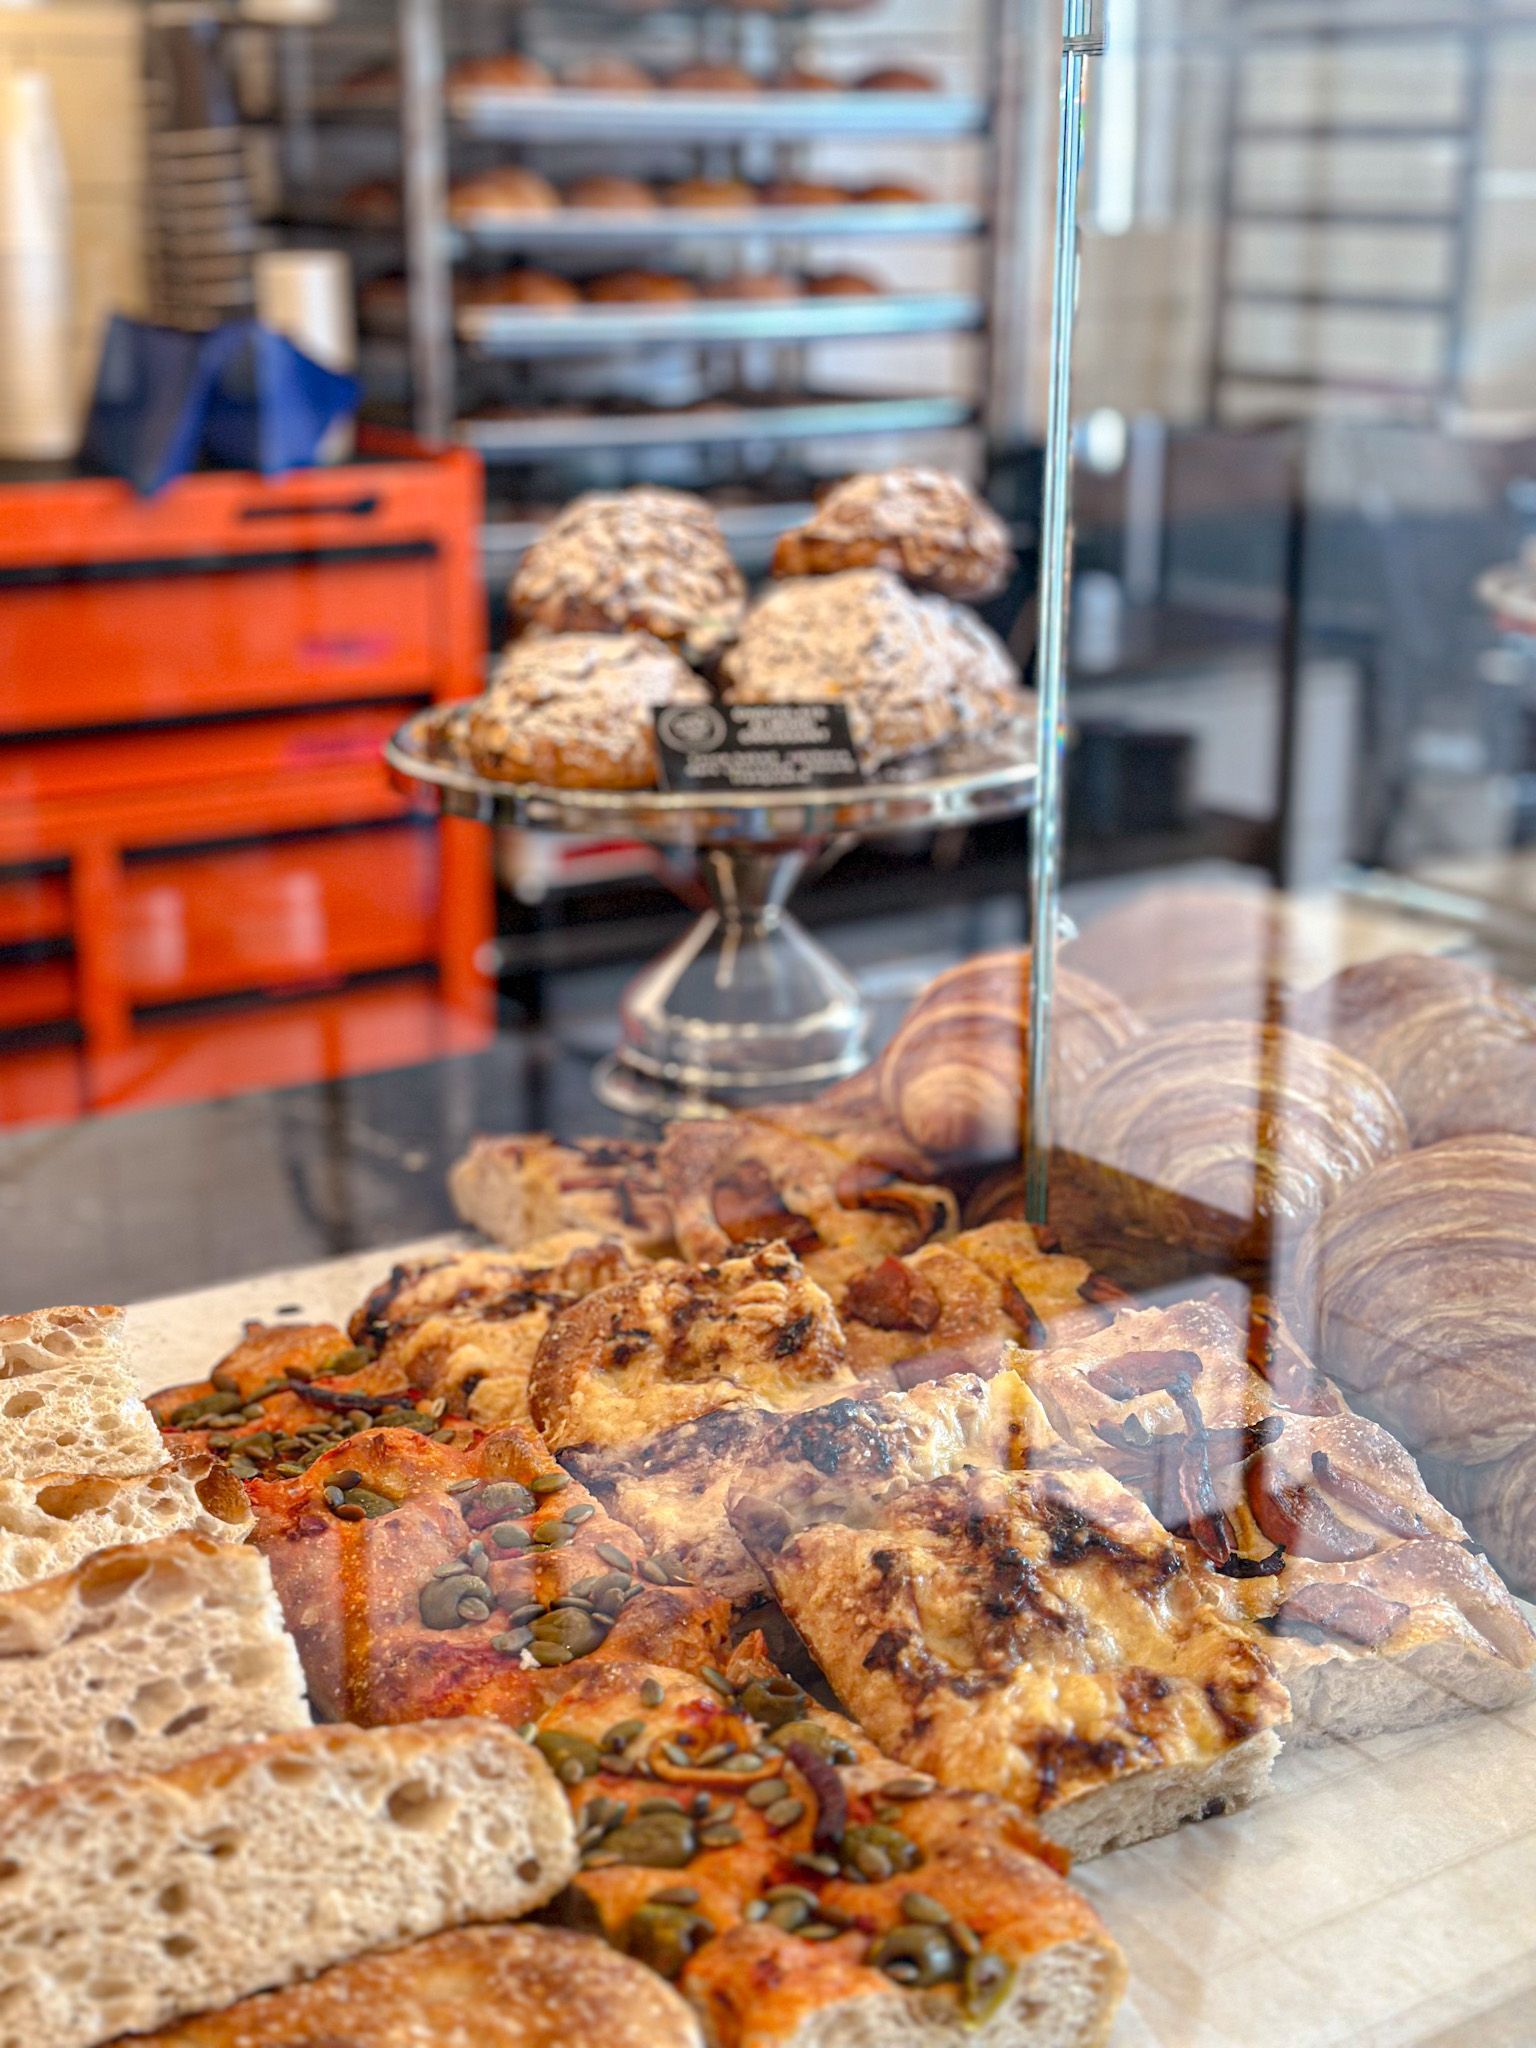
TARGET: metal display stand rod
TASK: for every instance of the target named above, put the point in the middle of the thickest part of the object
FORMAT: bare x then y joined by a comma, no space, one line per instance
1082,36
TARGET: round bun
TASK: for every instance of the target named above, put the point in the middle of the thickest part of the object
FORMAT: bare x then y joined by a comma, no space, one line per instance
753,284
1420,1287
890,193
510,71
608,74
726,193
510,188
606,192
898,78
803,192
713,78
642,560
912,674
1182,951
375,202
641,288
526,287
1225,1139
573,710
926,525
1455,1044
844,284
953,1076
801,78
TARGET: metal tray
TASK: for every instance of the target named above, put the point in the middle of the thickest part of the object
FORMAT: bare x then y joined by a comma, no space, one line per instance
583,225
958,787
799,420
512,330
561,114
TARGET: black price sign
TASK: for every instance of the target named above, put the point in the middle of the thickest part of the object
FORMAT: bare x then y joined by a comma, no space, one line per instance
755,747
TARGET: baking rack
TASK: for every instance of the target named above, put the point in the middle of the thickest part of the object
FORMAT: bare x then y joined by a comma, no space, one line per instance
769,370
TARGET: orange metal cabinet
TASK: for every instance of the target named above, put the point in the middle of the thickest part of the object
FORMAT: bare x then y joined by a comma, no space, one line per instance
194,691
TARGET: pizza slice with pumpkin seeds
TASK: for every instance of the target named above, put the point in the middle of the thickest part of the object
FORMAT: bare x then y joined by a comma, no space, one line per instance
800,1888
422,1579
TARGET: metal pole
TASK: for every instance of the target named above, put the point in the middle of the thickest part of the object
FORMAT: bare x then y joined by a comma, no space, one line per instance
1082,35
424,181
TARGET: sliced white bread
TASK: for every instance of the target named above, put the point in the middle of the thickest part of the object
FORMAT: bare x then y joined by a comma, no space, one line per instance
131,1900
68,1401
50,1524
141,1656
498,1987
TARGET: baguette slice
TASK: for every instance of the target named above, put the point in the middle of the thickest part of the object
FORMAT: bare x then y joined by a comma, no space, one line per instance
50,1524
500,1987
130,1901
68,1401
142,1656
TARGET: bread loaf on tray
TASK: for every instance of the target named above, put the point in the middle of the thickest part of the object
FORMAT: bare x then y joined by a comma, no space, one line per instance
140,1657
130,1901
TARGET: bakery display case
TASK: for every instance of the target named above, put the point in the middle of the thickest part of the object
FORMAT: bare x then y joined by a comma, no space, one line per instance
1007,1526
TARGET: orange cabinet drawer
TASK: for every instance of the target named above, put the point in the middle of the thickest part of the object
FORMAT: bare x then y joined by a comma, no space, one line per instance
300,910
32,907
174,645
35,992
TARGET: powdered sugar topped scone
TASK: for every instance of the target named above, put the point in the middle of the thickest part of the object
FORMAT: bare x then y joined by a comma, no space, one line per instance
914,672
926,525
643,560
574,710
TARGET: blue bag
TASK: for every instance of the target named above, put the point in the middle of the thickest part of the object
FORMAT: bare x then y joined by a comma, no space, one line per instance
239,397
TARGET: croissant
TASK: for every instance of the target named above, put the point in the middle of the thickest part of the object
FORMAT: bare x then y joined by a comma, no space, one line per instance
1419,1286
1223,1139
954,1074
1455,1044
1182,952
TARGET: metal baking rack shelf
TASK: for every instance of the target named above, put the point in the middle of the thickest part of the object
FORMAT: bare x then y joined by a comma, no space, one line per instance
514,330
588,227
785,421
564,115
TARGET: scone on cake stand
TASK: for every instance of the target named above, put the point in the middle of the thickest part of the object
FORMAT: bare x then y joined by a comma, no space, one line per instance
622,601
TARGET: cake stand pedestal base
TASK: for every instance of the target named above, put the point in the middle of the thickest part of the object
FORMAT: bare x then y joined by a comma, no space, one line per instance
746,1007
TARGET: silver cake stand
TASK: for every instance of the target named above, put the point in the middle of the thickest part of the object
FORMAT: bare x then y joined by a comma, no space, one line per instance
746,1007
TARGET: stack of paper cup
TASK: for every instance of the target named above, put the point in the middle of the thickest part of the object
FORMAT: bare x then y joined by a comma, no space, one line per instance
307,295
37,406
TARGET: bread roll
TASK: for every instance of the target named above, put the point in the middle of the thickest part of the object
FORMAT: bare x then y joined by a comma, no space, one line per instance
954,1074
1224,1139
500,1987
606,194
142,1656
132,1900
68,1400
52,1523
926,525
1420,1288
508,72
1455,1044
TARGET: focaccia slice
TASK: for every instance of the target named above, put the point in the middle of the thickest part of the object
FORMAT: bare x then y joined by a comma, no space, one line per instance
1033,1633
673,1342
520,1189
840,1203
422,1580
674,1487
800,1888
1277,1492
960,1303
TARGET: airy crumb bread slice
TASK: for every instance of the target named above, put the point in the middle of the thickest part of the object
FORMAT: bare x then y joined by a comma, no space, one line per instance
500,1987
68,1402
141,1656
128,1901
53,1522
